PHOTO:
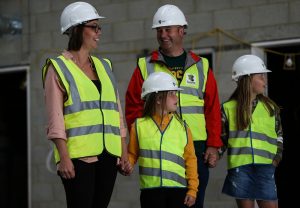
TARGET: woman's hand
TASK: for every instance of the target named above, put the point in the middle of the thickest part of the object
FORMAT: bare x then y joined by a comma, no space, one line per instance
66,168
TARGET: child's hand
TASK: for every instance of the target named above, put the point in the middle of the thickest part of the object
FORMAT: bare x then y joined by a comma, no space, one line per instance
189,200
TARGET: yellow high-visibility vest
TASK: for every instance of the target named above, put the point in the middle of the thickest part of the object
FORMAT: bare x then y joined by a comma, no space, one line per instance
92,119
191,99
257,144
161,162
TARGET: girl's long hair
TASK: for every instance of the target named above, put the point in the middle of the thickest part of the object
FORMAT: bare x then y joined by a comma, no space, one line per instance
242,95
150,105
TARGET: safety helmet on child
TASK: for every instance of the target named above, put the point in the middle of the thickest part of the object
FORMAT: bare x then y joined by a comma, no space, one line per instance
77,13
159,81
246,65
168,15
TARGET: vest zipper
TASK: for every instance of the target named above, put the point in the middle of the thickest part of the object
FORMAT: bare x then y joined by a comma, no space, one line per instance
103,133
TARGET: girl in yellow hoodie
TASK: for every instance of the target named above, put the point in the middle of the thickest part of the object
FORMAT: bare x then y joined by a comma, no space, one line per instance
163,146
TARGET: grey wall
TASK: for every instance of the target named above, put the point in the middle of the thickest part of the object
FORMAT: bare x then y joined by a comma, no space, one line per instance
126,33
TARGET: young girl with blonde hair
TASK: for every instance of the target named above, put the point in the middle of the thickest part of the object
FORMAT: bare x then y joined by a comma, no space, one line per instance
163,146
252,134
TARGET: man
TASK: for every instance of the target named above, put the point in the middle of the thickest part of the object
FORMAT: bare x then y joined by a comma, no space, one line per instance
198,103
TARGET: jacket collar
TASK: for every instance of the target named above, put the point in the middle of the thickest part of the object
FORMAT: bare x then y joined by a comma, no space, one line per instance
191,58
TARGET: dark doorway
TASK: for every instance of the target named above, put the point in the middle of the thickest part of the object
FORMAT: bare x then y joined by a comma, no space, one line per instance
13,140
284,89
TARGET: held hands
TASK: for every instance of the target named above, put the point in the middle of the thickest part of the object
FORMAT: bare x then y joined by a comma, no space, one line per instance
124,167
123,164
211,156
189,200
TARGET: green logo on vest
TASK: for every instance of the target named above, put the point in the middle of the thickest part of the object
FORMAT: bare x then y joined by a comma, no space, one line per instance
190,79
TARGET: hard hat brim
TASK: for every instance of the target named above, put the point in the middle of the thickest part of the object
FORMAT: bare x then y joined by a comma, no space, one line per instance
145,94
236,77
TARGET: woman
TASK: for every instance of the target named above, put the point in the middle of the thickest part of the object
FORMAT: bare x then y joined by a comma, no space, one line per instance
85,119
251,130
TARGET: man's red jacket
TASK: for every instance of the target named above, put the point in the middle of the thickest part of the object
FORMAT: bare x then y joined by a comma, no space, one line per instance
134,105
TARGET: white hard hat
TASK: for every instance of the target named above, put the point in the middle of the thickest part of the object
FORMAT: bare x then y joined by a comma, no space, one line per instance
168,15
159,81
77,13
246,65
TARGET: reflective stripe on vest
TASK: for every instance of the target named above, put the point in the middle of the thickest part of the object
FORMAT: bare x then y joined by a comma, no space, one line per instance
161,162
191,102
254,145
92,120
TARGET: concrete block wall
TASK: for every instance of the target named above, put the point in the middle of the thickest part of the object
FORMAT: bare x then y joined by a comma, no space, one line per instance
127,34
